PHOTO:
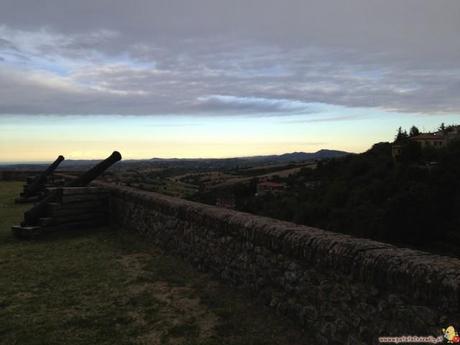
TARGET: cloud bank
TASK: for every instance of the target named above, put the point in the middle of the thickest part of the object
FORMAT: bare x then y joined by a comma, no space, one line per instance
221,58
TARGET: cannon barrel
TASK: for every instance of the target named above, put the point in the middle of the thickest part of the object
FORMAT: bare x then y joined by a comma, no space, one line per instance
32,216
96,171
38,182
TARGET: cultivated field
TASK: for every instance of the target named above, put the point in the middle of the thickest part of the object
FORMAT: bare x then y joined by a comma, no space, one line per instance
102,286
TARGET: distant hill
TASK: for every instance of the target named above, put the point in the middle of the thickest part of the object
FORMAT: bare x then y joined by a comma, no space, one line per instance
304,156
283,158
294,157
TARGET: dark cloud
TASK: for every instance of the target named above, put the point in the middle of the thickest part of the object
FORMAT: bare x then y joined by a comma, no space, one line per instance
5,44
228,57
324,119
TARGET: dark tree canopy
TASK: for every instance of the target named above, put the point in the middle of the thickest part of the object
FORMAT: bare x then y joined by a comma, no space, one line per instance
414,131
370,195
401,135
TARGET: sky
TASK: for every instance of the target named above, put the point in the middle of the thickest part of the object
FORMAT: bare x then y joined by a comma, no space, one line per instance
214,78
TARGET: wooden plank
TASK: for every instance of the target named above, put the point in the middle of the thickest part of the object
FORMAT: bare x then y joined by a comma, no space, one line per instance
77,205
73,218
26,232
30,179
83,197
32,232
24,200
79,190
75,225
70,211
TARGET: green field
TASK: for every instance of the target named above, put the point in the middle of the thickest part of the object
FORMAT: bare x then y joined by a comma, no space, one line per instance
102,286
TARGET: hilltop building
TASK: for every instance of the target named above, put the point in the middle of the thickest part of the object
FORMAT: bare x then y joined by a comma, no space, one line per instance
435,139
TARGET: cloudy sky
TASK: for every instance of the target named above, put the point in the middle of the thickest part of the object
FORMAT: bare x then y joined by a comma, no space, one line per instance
214,78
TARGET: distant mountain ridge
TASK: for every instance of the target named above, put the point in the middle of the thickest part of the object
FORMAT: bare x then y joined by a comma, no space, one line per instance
285,157
292,157
304,156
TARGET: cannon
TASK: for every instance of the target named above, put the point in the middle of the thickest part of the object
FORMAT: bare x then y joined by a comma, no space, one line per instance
32,216
36,185
96,171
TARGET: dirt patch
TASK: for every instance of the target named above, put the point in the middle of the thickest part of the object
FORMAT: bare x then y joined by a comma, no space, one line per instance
24,295
133,263
177,312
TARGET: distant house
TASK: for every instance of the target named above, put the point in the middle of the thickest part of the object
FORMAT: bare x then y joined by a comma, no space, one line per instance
452,132
270,186
436,140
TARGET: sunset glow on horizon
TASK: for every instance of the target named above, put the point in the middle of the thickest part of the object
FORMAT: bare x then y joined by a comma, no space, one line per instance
39,138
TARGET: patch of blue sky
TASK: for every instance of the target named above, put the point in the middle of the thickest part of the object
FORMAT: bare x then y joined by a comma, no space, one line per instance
35,63
62,66
276,71
12,56
50,66
127,60
373,74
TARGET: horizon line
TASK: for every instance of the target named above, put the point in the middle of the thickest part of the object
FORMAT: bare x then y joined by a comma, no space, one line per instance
3,163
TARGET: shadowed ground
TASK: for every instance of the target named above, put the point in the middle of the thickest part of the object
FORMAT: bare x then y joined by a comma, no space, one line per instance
100,286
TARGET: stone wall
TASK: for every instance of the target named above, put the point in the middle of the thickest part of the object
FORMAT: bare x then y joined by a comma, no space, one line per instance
344,290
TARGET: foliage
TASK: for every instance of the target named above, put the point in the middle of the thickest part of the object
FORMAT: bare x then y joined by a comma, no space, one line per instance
414,131
414,201
401,135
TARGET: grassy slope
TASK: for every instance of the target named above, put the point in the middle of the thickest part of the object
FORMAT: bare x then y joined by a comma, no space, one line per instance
104,287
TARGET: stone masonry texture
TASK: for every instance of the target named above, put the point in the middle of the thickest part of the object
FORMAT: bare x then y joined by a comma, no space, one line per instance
344,290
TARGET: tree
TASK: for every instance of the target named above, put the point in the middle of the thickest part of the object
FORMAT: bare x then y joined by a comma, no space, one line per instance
442,128
401,135
414,131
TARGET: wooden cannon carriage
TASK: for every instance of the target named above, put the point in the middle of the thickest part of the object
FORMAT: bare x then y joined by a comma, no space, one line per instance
74,205
35,185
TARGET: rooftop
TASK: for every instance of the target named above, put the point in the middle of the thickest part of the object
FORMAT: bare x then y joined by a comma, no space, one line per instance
428,136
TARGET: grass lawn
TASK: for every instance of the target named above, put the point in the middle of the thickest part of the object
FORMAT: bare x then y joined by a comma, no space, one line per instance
102,286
